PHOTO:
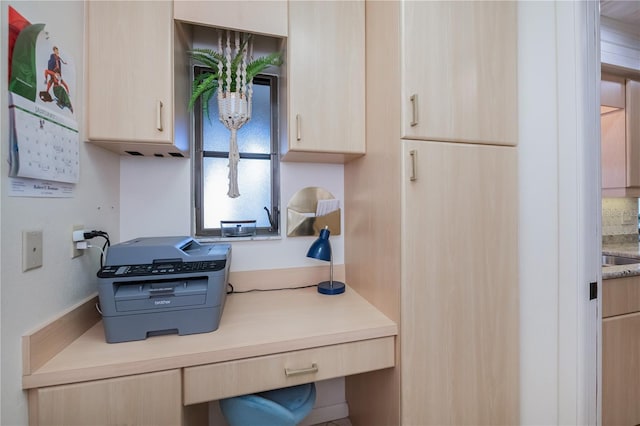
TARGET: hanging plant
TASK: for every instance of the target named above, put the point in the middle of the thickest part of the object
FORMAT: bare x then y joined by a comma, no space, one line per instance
232,71
206,83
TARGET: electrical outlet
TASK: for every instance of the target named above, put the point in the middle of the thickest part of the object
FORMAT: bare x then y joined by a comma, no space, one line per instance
31,250
74,251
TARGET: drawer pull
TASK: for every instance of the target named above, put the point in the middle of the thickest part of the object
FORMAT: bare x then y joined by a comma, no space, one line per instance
414,175
414,110
298,128
299,371
159,116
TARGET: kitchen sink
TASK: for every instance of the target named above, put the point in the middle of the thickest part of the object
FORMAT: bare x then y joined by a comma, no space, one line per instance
611,260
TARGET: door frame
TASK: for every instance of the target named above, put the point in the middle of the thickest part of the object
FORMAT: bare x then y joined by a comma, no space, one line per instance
580,236
560,234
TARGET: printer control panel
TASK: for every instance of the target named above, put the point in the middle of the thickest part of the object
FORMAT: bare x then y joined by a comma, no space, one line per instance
160,268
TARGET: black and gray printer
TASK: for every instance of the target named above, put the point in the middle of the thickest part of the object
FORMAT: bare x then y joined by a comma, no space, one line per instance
162,285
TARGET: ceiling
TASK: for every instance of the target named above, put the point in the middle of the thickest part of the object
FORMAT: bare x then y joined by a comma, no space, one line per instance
627,11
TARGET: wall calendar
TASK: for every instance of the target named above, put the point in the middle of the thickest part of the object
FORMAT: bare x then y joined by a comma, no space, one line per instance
43,131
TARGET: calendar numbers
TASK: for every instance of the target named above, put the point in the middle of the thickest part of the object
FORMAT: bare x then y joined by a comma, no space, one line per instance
47,146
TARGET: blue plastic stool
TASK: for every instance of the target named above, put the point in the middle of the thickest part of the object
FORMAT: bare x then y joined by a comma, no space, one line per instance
279,407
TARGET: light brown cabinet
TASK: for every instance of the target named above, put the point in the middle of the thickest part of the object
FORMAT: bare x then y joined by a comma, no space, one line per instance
267,17
145,399
432,235
137,78
621,351
459,295
325,81
215,381
620,136
459,85
633,132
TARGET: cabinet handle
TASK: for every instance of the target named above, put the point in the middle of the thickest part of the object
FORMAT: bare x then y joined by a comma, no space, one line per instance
159,116
298,130
300,371
414,172
414,109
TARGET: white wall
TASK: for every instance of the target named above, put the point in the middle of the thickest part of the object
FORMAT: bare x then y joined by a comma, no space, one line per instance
31,298
155,200
538,167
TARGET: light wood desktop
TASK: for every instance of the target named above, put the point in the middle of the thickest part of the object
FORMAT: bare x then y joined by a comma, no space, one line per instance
265,340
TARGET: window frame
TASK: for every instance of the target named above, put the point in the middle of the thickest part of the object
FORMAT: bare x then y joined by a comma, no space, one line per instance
273,156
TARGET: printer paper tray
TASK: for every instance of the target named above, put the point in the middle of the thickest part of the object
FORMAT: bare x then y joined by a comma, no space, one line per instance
159,294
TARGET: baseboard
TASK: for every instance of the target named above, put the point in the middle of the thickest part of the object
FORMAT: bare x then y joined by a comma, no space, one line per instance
326,414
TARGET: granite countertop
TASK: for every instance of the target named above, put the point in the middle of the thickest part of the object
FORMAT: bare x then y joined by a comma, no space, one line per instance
627,249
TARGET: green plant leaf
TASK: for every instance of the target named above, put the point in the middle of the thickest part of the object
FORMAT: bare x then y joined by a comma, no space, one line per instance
257,66
208,83
207,57
206,97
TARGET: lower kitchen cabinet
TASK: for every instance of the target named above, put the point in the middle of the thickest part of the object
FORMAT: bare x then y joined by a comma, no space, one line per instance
621,352
144,399
621,370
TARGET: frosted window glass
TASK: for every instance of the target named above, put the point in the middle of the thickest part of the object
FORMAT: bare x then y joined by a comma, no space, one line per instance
254,181
254,136
257,169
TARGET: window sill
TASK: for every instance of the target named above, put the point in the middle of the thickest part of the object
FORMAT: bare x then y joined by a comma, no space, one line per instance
210,239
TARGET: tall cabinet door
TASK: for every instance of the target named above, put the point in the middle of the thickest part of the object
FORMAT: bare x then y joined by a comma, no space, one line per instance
325,73
130,71
459,294
459,68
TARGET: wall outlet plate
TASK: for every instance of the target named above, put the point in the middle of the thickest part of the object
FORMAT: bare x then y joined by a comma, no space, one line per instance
74,251
31,250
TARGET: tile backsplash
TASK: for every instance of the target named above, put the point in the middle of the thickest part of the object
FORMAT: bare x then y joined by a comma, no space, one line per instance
619,217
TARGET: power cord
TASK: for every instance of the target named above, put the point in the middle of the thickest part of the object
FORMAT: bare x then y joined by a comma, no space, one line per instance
83,245
87,235
232,291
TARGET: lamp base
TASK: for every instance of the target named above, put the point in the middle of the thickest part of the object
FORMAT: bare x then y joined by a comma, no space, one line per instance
326,288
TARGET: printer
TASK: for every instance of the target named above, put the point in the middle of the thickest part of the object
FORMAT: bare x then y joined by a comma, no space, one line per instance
162,285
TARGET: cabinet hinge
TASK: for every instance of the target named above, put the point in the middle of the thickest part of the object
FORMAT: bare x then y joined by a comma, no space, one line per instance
593,290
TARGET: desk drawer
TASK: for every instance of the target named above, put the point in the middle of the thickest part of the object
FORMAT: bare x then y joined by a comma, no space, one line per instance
225,379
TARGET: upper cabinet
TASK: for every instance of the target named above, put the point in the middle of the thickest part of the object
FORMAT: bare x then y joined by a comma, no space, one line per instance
620,136
137,78
459,85
326,81
268,17
633,132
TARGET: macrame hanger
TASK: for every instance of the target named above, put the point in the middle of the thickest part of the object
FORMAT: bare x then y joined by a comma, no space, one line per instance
234,105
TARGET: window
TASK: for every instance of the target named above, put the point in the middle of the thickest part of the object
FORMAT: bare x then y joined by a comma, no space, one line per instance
257,170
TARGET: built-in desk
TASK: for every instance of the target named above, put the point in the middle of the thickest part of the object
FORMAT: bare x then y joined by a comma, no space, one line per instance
265,340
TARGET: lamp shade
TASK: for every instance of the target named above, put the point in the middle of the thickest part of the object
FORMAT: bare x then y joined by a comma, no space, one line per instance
321,248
